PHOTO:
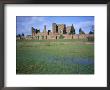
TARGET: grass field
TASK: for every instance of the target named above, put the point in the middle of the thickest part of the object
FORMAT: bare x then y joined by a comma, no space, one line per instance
54,57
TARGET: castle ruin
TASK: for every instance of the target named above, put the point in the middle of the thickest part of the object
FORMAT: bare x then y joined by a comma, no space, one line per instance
58,31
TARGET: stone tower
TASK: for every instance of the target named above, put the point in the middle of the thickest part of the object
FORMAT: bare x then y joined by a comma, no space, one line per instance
44,29
54,27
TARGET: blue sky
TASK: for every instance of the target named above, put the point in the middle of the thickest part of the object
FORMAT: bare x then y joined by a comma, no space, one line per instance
24,23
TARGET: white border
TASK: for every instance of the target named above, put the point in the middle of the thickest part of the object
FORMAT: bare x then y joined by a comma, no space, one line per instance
96,80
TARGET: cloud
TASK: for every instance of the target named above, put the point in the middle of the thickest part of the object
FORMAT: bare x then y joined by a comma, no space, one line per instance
86,26
24,23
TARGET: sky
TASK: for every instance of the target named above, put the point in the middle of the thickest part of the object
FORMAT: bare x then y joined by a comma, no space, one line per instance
24,23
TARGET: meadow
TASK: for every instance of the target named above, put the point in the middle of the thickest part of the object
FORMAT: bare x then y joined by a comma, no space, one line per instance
54,57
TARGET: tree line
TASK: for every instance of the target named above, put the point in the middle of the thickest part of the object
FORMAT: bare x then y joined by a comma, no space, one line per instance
72,31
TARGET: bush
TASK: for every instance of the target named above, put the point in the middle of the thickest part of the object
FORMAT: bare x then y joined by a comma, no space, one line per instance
61,37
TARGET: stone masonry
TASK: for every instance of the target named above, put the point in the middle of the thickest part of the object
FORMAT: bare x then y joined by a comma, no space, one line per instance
57,31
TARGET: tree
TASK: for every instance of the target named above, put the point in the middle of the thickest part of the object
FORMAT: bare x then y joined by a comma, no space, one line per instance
81,31
92,30
19,36
72,31
49,31
61,37
64,31
33,30
23,34
38,30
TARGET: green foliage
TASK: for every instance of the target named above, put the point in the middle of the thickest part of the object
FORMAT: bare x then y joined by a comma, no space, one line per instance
33,29
72,30
92,30
81,31
61,37
37,30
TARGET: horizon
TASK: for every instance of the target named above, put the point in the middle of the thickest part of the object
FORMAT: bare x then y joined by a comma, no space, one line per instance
25,23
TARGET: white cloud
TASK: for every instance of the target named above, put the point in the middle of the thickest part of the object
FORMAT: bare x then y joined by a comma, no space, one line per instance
84,24
38,22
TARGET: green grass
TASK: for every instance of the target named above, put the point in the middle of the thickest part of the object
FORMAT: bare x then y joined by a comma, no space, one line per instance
54,57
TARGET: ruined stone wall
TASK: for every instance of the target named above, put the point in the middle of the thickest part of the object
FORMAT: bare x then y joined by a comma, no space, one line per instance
68,29
60,28
67,36
43,36
54,27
